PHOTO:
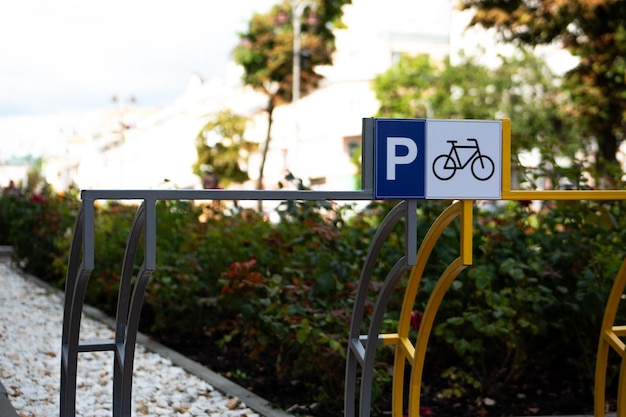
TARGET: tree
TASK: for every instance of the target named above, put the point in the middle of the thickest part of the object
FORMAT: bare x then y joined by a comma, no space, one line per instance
522,88
221,146
266,55
592,30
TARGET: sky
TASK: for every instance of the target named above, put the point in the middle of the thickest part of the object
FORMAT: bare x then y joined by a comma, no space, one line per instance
63,60
65,55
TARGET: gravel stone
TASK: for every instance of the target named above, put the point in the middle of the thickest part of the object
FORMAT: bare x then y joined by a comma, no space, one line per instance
30,342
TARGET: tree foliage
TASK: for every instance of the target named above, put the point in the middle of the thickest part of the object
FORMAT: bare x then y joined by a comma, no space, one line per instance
592,30
221,146
266,53
522,88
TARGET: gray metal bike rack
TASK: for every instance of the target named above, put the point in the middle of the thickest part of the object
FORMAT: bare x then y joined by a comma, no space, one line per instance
130,297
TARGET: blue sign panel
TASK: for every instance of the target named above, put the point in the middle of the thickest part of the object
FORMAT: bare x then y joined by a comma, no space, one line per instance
400,158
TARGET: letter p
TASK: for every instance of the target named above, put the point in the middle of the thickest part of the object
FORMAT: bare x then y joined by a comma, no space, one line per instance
393,159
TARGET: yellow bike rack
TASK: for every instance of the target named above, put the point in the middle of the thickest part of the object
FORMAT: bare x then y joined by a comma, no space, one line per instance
361,351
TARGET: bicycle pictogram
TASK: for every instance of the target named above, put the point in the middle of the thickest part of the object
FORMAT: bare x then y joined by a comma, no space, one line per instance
446,165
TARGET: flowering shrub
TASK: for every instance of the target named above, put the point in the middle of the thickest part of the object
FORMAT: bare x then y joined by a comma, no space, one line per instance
35,224
282,293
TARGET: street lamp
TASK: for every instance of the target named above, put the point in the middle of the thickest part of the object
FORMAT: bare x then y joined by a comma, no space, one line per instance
298,8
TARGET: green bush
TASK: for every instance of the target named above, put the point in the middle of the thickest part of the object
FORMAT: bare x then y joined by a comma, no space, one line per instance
36,224
534,299
284,291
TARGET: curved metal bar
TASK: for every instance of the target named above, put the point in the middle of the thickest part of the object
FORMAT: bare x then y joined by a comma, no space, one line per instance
123,306
434,233
136,303
430,239
352,362
621,388
608,339
432,236
123,298
369,349
383,232
75,285
444,282
128,358
367,373
71,348
73,266
355,353
127,350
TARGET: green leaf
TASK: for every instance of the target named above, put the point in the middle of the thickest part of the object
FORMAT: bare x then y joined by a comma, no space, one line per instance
324,283
456,321
302,334
483,282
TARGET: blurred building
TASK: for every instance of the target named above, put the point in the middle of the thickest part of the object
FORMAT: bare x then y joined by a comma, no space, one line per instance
16,169
132,147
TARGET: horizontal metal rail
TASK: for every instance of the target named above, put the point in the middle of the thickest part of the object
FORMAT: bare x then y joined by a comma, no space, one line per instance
241,195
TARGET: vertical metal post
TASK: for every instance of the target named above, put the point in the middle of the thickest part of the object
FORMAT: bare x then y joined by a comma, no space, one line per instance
367,155
150,237
88,233
410,231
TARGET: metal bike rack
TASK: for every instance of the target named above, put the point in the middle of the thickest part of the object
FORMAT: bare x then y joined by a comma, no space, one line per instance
130,297
361,348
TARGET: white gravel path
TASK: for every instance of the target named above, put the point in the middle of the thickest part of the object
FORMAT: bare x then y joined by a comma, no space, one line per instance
30,342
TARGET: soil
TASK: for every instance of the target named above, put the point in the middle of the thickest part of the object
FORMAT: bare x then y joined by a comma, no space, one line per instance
540,395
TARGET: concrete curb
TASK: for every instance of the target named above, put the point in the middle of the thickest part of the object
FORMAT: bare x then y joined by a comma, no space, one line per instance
6,409
6,252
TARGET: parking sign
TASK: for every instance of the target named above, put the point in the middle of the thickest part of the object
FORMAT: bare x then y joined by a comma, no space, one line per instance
400,158
464,159
438,159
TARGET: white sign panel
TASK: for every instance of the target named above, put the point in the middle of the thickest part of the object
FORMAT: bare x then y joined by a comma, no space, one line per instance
463,159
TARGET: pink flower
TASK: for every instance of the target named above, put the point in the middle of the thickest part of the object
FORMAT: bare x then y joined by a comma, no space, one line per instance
416,319
424,412
37,198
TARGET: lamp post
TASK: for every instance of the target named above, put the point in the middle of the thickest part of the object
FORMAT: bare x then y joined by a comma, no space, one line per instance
297,10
